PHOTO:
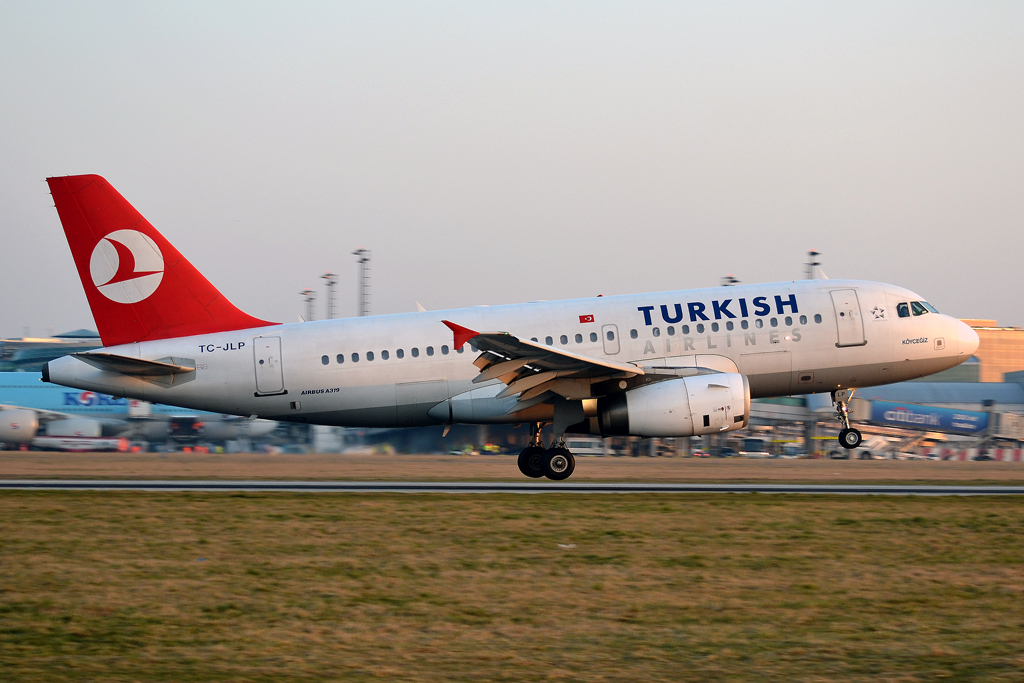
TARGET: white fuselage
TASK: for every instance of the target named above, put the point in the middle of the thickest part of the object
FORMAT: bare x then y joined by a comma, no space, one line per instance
787,338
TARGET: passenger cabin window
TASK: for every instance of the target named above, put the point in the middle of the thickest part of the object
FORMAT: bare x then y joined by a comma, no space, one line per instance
400,353
340,358
579,338
549,341
611,335
444,349
903,310
758,323
656,332
369,355
789,321
325,360
917,308
460,349
817,317
415,352
593,336
563,339
803,320
355,357
744,324
384,355
671,331
728,325
700,328
633,334
714,327
430,350
774,322
686,329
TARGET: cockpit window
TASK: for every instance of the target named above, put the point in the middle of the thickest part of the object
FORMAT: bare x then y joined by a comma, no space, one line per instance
918,308
903,310
929,306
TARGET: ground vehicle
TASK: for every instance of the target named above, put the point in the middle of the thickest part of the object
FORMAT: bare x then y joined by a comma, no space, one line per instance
585,445
754,448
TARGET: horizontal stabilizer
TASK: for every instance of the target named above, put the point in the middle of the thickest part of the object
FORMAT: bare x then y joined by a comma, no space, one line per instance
126,365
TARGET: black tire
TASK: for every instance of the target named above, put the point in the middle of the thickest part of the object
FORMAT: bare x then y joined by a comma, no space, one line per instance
531,462
559,463
849,439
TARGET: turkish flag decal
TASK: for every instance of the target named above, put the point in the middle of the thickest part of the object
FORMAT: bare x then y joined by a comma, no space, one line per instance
586,318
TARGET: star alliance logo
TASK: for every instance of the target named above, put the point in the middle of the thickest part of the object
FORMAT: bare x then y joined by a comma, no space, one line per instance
879,313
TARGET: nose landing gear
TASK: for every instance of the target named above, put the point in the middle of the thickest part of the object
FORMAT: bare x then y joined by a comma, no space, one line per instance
556,463
849,438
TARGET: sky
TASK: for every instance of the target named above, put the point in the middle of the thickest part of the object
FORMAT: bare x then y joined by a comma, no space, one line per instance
492,153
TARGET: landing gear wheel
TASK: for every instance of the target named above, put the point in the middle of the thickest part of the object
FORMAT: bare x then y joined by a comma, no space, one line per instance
531,462
849,438
558,463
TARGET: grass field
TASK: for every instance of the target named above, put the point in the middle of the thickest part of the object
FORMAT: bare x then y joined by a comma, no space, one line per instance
177,587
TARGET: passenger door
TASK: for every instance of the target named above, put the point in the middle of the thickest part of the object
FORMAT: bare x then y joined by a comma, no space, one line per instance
849,324
267,360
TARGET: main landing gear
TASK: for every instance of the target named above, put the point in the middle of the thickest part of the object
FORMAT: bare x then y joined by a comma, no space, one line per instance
555,463
849,438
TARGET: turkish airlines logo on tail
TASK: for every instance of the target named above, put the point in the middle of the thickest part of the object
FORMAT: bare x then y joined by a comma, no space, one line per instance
126,266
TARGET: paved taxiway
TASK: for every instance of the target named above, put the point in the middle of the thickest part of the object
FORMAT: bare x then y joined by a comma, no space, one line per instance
491,487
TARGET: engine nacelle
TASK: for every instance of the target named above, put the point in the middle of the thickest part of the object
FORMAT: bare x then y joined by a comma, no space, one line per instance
688,406
75,426
18,426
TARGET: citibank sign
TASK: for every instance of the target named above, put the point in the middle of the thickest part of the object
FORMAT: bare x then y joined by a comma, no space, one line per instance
932,418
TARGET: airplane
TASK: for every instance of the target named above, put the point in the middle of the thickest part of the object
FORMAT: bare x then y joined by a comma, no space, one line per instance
52,417
663,364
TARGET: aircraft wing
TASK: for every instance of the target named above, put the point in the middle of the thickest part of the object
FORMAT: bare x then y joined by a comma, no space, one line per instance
531,369
43,415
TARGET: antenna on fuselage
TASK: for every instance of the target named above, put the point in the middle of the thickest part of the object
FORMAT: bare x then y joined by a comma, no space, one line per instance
728,280
364,280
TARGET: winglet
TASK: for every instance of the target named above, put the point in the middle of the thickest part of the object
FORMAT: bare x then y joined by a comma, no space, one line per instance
462,334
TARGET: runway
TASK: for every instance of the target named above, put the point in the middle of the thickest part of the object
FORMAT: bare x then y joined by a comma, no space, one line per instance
224,486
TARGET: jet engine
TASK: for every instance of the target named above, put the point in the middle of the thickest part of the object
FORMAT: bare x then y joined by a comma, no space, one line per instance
688,406
75,426
18,426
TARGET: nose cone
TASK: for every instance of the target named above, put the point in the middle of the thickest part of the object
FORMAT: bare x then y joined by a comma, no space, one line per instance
968,340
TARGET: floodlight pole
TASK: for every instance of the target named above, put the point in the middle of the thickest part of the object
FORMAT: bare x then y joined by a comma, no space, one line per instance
363,259
330,277
812,263
309,296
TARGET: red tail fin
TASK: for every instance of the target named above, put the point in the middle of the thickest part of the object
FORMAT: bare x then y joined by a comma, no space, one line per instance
139,286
